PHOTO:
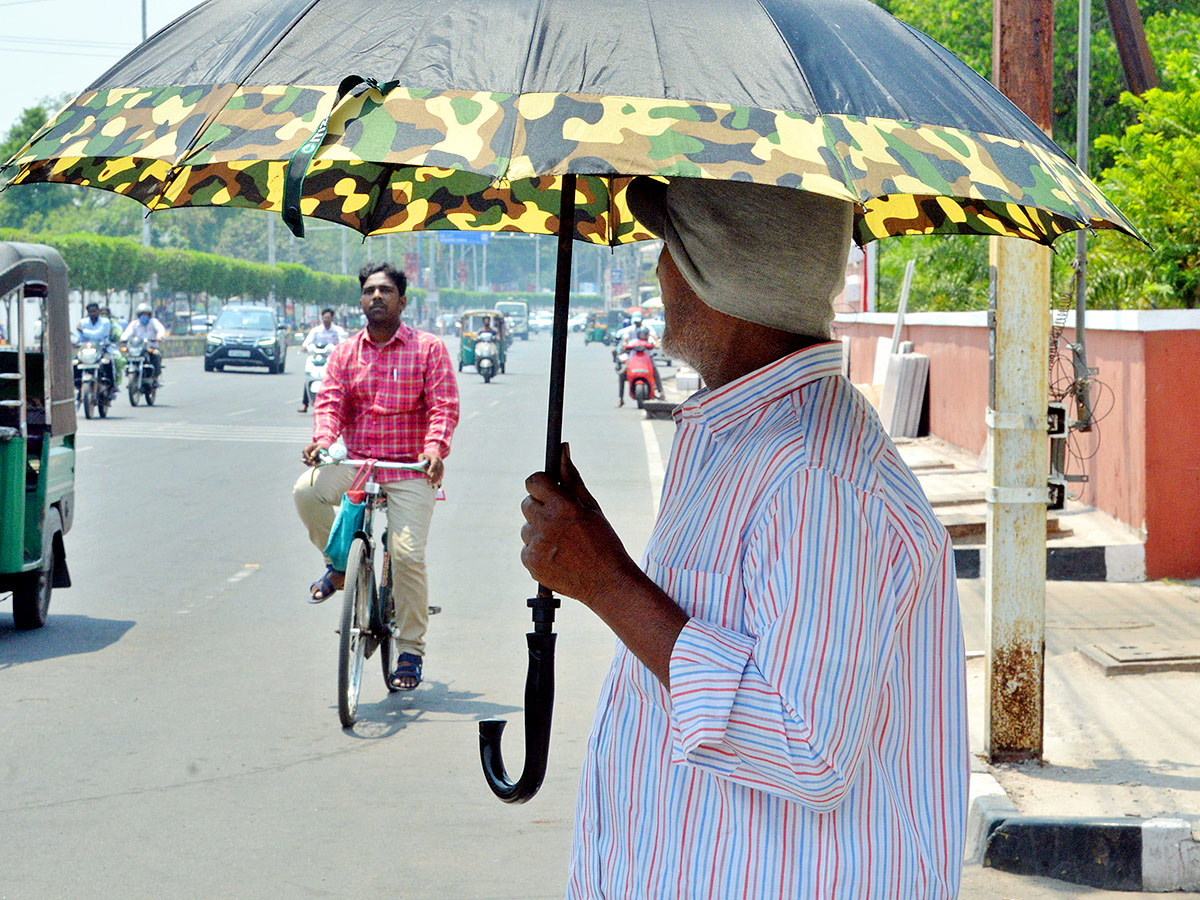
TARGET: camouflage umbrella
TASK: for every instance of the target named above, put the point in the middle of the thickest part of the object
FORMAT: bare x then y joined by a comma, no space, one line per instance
523,116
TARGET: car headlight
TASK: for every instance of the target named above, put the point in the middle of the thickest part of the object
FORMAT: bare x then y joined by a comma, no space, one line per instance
266,342
214,340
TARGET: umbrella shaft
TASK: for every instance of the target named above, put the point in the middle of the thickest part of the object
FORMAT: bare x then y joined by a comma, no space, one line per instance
562,304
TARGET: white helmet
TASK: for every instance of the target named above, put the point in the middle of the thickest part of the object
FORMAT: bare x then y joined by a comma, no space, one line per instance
143,308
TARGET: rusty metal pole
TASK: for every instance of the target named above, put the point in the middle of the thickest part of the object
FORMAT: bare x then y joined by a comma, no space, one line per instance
1137,64
1022,60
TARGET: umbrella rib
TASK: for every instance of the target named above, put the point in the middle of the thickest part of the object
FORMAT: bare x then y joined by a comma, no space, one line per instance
662,78
799,69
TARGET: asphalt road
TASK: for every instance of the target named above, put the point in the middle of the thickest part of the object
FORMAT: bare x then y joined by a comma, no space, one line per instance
173,730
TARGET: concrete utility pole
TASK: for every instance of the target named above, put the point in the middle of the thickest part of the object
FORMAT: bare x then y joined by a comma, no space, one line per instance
1022,61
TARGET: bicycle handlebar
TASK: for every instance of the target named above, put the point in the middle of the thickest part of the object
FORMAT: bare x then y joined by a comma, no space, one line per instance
419,466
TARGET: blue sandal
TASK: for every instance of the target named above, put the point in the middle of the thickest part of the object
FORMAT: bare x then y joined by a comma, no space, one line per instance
408,668
322,589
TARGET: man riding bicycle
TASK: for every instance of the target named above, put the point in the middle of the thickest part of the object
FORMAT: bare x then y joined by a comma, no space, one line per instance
389,392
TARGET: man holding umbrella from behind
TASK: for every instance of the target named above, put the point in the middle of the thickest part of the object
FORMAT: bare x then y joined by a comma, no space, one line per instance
785,713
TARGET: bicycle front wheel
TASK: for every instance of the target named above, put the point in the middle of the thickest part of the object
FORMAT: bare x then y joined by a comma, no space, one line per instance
386,607
353,644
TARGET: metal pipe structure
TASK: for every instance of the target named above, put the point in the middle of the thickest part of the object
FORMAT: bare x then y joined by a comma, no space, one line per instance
539,681
1017,494
1083,406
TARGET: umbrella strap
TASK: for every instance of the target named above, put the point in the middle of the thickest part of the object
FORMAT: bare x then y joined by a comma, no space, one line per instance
298,163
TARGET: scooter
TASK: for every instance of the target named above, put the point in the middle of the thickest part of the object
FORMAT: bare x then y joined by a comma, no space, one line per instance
141,372
639,371
95,384
314,371
486,355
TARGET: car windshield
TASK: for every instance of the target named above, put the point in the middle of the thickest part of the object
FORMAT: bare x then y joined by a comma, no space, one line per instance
254,319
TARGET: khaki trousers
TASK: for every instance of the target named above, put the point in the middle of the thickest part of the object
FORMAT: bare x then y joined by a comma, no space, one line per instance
318,493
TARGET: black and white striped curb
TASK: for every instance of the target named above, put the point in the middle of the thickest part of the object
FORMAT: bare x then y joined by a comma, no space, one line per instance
1118,854
1114,562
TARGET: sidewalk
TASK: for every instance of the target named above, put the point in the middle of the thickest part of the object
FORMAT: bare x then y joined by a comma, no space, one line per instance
1116,803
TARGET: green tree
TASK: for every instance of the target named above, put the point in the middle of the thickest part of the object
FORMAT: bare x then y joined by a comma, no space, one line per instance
1154,178
952,274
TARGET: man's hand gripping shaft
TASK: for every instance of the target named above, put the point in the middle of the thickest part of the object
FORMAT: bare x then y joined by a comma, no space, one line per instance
571,548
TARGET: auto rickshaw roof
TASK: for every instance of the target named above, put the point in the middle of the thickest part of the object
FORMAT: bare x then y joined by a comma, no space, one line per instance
31,264
38,266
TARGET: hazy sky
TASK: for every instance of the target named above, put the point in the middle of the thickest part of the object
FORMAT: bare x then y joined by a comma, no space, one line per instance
52,47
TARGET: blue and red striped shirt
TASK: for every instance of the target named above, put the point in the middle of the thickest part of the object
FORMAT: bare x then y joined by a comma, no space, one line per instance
813,743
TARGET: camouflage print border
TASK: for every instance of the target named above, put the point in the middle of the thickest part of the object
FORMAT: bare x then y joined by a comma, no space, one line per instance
486,160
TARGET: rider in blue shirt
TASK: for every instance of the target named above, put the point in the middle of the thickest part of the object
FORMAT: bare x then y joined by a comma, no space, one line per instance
94,327
98,329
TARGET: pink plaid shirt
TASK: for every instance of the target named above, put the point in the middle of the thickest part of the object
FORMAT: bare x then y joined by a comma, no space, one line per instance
391,402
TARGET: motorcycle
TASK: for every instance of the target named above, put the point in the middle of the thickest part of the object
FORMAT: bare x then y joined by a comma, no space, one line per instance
486,355
639,371
141,372
314,371
95,381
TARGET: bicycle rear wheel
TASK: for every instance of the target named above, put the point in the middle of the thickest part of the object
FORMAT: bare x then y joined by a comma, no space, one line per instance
354,631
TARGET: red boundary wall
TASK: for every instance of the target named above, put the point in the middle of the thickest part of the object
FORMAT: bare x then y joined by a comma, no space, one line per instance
1143,460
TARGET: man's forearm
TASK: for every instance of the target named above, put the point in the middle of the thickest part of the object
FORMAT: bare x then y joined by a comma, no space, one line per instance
646,620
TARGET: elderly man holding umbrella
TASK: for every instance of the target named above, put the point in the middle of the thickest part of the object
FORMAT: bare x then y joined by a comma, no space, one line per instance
785,714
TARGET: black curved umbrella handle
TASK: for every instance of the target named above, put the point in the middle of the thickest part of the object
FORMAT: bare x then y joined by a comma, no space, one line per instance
539,681
539,710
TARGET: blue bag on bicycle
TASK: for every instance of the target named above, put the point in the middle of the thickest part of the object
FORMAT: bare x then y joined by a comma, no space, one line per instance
348,522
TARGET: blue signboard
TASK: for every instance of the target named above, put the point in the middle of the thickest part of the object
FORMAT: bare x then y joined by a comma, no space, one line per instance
472,238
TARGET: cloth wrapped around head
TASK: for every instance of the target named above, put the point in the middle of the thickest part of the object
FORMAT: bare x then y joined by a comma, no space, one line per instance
771,255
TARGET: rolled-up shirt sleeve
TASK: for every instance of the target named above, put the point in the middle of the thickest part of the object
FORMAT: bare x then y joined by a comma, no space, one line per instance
441,394
787,705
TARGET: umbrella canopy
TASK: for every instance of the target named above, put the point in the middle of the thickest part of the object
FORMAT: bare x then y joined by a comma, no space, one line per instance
461,114
533,116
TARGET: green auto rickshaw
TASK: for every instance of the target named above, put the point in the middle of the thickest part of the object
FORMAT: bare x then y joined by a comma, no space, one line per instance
37,429
473,322
595,328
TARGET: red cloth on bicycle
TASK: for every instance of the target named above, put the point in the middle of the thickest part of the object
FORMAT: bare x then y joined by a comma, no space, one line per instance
391,402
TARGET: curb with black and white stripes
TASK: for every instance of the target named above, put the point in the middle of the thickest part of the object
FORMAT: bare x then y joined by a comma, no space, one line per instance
1113,562
1118,854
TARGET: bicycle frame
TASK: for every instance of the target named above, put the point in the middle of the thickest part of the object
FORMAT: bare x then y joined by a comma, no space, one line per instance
368,613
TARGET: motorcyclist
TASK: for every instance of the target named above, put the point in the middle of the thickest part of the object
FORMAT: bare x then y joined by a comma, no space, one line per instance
327,334
147,327
97,329
115,351
636,331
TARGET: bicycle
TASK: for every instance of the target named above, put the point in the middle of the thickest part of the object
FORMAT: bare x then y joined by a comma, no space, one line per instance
368,610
